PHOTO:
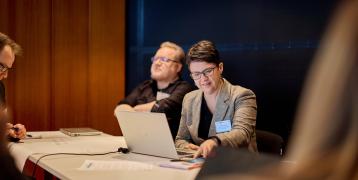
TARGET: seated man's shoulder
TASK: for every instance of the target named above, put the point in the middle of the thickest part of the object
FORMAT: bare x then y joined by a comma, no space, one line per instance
185,85
145,84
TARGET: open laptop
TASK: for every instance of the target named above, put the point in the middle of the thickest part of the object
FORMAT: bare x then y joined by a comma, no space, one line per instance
148,133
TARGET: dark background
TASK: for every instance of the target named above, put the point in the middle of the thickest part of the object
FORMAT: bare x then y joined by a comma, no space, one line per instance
266,46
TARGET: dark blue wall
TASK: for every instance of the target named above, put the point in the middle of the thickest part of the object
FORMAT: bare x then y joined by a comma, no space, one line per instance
265,45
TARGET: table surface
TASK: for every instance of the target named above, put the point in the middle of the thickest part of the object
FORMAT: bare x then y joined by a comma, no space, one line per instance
66,166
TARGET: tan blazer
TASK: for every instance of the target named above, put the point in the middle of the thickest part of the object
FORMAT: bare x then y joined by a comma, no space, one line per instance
234,103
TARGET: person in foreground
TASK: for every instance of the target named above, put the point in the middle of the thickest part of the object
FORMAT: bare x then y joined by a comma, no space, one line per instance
324,143
8,168
8,50
165,90
218,113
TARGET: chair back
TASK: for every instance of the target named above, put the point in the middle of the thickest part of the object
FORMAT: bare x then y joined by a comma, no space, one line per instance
268,142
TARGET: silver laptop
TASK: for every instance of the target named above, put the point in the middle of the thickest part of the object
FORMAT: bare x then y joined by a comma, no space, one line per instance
148,133
85,131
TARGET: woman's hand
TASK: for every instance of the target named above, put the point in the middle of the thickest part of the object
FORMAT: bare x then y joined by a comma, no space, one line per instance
192,146
206,149
16,131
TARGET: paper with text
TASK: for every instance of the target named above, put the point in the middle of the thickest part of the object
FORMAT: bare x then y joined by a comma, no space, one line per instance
96,165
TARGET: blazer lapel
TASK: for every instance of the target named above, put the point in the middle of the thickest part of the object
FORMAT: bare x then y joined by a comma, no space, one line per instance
222,105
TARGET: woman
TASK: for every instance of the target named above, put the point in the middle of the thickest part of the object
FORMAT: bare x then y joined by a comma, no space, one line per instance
325,139
218,113
324,143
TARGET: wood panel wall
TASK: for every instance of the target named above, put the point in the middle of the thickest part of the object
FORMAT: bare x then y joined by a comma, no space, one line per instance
71,73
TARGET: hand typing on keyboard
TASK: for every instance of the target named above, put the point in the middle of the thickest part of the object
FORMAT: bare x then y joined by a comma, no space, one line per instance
192,146
206,149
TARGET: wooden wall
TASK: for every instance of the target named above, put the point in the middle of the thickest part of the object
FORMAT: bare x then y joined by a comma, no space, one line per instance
71,73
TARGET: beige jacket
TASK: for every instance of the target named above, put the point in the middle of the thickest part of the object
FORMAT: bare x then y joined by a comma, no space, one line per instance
234,103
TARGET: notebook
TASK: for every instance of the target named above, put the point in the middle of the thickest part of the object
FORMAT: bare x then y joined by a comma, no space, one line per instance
148,133
80,131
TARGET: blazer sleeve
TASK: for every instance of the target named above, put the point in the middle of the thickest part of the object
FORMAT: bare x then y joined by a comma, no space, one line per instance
183,137
243,123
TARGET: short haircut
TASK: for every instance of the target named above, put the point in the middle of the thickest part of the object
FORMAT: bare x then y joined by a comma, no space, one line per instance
180,52
6,41
203,51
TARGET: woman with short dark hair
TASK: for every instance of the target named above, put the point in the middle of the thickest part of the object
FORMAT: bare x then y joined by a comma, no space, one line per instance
218,113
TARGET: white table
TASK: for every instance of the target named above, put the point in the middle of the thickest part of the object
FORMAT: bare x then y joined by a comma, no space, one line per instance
67,166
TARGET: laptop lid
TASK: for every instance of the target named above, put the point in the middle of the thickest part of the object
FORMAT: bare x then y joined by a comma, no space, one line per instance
80,131
147,133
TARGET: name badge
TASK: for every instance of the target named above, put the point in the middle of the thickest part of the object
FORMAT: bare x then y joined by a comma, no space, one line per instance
223,126
161,95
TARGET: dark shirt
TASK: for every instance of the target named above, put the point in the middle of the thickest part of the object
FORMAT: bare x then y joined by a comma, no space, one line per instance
205,120
2,94
8,169
8,166
147,91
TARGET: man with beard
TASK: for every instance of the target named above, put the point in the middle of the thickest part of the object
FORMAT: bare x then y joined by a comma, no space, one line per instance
165,90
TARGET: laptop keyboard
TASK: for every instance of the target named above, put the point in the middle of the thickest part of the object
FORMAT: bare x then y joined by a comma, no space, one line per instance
184,153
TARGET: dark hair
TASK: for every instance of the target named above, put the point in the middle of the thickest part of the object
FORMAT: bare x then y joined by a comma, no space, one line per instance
2,96
203,51
5,40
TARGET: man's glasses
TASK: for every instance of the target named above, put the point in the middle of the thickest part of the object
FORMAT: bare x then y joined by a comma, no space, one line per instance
162,59
207,72
3,68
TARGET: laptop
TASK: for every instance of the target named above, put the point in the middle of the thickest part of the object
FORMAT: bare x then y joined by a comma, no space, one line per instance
85,131
148,133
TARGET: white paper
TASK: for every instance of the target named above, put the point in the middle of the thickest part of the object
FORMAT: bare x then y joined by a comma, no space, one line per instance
57,142
93,165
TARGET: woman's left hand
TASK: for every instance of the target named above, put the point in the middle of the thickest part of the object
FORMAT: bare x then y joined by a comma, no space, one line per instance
206,149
